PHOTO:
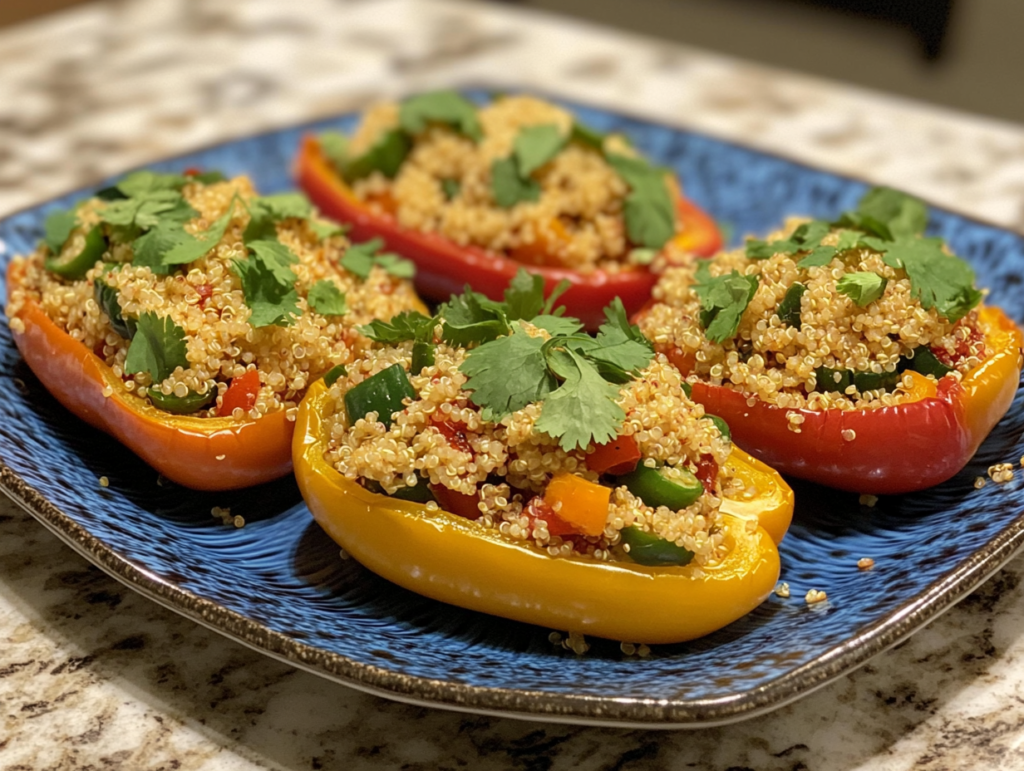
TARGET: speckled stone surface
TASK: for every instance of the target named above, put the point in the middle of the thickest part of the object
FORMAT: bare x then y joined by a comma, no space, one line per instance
94,676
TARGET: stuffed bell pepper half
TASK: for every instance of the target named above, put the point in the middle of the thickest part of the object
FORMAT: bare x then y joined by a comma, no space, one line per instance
855,353
495,457
186,315
473,193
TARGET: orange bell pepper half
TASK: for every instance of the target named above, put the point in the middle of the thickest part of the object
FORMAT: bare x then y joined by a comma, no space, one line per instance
201,453
890,450
444,268
456,560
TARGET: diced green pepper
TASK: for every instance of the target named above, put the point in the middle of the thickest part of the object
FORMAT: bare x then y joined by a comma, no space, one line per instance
419,493
927,363
422,355
650,549
789,309
667,486
827,382
721,425
74,265
382,393
332,375
181,405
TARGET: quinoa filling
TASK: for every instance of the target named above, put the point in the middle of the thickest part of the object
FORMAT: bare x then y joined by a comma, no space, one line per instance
519,176
845,315
641,482
194,288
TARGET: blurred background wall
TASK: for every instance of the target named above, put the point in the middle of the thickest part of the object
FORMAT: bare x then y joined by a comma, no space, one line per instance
965,54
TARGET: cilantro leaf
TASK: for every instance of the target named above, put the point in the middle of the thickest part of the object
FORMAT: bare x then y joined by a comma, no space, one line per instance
506,374
189,248
360,259
399,267
386,155
789,309
848,239
472,318
276,260
326,299
140,183
648,209
270,301
938,280
451,188
445,107
508,188
535,146
266,211
888,214
618,319
723,299
818,258
524,297
582,409
334,145
407,325
149,248
587,136
557,325
324,229
862,287
157,347
57,229
806,237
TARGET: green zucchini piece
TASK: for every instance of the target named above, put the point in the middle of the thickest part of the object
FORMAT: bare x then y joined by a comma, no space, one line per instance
927,363
649,549
666,486
382,393
182,405
74,265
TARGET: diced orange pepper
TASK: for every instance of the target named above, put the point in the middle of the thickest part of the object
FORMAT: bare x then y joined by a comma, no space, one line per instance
581,503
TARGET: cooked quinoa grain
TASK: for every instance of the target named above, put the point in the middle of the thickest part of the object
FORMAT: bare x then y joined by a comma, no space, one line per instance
780,362
445,185
440,437
207,301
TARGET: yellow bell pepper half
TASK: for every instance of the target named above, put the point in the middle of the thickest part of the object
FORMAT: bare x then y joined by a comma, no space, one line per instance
459,561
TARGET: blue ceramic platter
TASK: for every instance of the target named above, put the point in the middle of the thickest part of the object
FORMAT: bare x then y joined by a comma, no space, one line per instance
278,583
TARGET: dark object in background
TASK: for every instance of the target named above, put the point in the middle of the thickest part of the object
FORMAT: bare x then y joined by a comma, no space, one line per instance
928,20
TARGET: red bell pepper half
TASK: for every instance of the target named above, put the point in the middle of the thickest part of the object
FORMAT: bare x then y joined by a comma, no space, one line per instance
444,268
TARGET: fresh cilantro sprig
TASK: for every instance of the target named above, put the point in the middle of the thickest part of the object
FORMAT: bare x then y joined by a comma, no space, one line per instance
157,347
387,154
512,178
863,287
326,299
447,107
723,299
648,210
577,377
361,258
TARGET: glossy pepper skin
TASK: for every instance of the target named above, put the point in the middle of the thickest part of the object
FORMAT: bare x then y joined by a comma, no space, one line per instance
456,560
444,268
200,453
899,449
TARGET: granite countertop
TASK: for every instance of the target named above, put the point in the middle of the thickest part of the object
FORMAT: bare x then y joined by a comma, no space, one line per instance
95,676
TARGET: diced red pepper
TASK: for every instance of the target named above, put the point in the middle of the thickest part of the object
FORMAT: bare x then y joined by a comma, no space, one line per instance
457,503
619,456
707,472
538,509
455,434
241,393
